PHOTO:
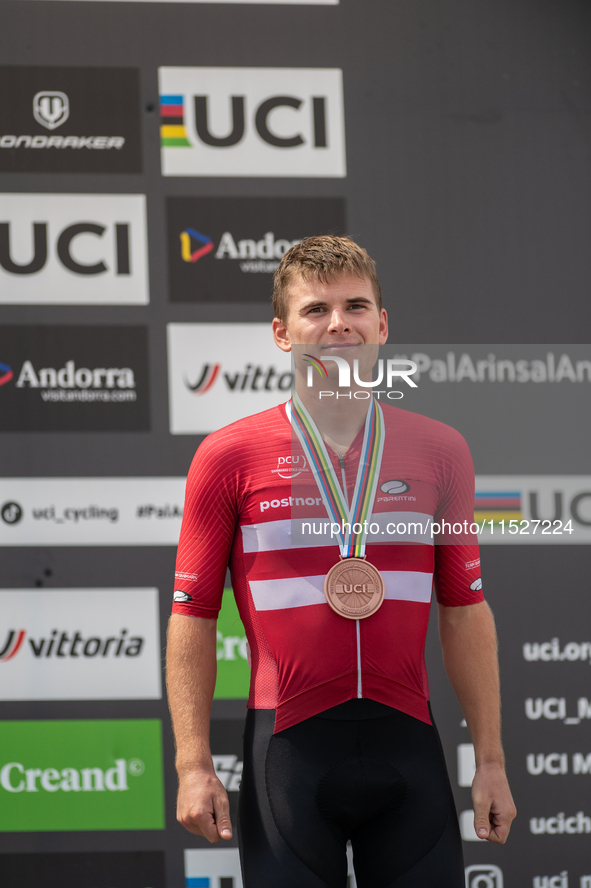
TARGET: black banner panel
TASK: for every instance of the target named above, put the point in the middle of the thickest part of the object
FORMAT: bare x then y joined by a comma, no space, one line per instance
69,120
228,249
157,160
74,379
115,869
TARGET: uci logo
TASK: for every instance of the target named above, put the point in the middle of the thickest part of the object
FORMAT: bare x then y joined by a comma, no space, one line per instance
51,109
252,122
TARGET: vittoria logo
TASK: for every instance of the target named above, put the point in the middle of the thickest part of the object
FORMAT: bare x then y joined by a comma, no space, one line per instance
206,380
63,644
51,109
12,645
226,249
254,377
252,122
69,120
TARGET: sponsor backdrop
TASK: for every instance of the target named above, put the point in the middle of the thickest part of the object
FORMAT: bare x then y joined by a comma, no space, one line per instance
149,185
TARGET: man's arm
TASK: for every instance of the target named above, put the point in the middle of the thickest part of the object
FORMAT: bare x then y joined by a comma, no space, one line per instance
202,804
469,645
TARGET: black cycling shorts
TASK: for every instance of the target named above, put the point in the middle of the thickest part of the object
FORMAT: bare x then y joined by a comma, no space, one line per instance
360,772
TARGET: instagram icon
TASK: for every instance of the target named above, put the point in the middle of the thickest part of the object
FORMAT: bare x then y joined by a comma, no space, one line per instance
484,875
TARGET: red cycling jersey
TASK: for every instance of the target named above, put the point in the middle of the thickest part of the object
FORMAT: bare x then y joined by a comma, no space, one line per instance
239,509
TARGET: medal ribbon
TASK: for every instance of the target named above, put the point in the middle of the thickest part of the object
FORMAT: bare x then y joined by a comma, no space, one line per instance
352,544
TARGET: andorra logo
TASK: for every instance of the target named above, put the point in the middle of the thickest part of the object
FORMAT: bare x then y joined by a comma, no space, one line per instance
193,256
6,373
51,109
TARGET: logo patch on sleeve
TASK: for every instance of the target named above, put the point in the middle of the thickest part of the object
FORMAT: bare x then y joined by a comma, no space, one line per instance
181,596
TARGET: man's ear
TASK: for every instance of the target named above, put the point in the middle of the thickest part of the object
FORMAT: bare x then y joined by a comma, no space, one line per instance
281,335
383,334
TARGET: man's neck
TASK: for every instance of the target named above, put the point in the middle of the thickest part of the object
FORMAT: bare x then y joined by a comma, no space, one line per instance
338,420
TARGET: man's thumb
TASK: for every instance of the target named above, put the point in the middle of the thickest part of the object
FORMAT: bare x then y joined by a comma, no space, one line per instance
481,823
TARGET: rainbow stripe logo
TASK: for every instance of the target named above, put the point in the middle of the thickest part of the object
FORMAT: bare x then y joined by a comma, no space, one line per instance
173,133
193,256
316,364
497,506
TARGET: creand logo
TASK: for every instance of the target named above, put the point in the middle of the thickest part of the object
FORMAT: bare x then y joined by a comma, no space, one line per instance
14,777
254,378
261,255
252,121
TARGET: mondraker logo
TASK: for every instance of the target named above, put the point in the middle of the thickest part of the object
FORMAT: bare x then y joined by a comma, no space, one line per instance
187,253
51,109
6,374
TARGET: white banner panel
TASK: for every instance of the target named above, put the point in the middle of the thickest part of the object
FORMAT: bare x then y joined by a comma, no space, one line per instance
73,249
91,511
218,373
79,644
509,509
252,122
533,509
220,868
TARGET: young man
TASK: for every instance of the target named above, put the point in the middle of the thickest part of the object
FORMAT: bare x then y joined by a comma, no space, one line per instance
339,743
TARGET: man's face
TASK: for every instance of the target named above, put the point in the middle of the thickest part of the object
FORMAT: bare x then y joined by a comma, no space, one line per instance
339,315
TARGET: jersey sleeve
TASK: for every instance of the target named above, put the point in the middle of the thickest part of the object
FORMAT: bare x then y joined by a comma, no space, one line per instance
207,532
457,579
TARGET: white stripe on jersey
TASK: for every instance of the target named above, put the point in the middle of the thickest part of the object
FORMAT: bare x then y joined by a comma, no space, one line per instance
401,585
271,536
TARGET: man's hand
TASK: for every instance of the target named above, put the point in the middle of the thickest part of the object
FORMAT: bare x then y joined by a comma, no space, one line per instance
494,809
202,804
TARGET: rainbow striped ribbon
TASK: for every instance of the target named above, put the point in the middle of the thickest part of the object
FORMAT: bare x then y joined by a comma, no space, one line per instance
352,543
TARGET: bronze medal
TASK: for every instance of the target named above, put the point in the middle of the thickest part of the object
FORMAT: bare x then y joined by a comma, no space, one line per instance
354,588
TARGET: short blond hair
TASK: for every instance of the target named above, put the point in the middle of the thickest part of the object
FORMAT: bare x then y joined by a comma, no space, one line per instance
322,258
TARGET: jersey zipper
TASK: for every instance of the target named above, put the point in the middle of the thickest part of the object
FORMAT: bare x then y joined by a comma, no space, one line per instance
357,627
